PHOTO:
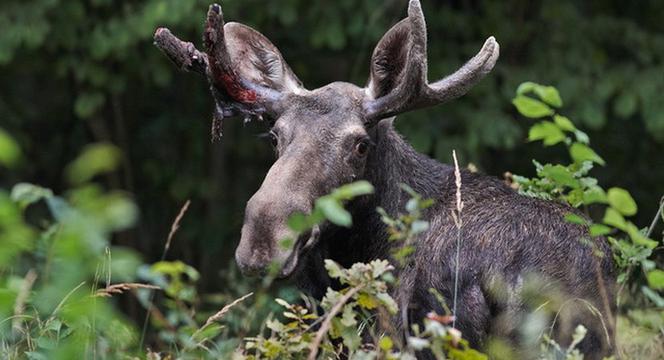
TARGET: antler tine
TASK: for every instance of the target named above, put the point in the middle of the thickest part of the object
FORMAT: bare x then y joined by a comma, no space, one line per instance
414,90
183,54
222,70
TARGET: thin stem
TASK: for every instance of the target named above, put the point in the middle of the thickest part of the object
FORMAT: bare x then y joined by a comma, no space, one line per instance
313,348
656,218
174,228
456,214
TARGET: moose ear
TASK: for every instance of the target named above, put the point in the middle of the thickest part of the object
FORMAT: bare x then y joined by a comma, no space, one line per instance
258,61
389,60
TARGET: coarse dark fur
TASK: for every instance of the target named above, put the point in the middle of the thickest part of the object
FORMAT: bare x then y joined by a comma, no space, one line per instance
504,238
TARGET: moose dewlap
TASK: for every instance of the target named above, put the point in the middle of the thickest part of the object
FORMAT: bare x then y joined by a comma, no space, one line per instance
340,133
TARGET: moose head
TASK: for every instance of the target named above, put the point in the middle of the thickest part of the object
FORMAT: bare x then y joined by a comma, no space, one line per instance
323,137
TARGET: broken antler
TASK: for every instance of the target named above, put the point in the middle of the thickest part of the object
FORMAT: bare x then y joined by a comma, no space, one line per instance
233,94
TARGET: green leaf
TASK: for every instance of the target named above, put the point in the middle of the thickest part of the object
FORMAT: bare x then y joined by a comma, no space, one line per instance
656,279
531,108
546,131
386,343
599,230
298,222
95,159
615,219
622,201
353,190
580,153
10,152
594,195
653,296
575,219
334,212
333,269
560,175
548,94
564,123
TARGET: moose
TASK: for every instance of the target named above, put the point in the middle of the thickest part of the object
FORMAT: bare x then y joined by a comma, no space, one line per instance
341,133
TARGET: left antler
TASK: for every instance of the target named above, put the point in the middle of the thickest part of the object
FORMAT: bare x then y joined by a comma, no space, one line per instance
233,94
414,90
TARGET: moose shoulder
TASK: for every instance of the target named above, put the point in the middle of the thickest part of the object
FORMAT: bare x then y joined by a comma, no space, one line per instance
340,133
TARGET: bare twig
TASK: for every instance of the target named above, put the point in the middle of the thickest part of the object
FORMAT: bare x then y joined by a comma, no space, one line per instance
174,228
658,215
220,314
22,298
121,288
313,348
456,214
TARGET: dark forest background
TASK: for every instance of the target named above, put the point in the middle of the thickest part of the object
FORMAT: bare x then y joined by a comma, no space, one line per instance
74,72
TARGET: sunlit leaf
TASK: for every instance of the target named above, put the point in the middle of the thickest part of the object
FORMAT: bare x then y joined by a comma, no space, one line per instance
546,131
531,108
656,279
334,212
622,201
580,152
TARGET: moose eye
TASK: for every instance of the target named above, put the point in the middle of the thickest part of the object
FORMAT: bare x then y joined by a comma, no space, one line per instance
362,148
274,140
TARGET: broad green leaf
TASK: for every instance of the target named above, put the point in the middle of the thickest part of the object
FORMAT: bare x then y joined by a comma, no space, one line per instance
564,123
560,175
548,94
10,152
352,190
615,219
96,159
594,195
298,222
531,108
656,279
599,230
622,201
334,212
638,237
575,219
546,131
580,153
